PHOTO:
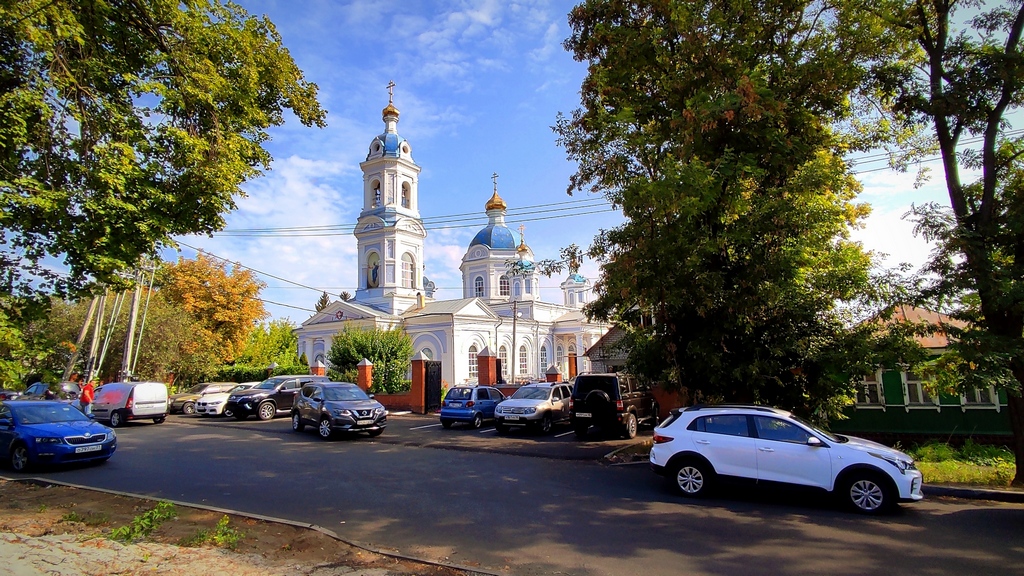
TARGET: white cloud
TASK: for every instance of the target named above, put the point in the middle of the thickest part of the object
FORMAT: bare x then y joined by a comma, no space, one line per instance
892,238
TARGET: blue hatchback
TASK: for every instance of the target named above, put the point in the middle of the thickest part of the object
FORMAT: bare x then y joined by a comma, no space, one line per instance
36,432
472,404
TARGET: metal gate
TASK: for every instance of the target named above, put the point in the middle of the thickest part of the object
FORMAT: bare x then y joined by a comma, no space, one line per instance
433,385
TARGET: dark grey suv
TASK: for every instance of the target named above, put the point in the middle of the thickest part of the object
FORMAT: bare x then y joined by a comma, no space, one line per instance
338,407
612,402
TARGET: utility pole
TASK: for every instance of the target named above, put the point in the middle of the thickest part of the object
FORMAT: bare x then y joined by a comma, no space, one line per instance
92,363
515,313
81,338
126,358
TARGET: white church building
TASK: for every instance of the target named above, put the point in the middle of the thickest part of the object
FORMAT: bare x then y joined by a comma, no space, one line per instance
499,312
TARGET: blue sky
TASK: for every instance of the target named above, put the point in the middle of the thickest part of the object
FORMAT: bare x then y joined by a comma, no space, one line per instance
479,85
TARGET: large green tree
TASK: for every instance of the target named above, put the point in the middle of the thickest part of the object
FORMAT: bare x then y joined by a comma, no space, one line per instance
390,351
122,123
962,78
715,126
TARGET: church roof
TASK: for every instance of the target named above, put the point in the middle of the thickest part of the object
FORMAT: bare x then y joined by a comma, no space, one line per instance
390,143
496,237
457,306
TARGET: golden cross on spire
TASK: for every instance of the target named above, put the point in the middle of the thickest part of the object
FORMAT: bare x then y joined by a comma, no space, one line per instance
494,177
391,92
522,229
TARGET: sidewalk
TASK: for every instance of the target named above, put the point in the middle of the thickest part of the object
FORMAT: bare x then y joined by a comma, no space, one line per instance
1013,495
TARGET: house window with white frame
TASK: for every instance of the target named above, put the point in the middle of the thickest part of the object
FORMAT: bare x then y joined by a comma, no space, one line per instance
916,392
472,362
503,285
869,393
978,396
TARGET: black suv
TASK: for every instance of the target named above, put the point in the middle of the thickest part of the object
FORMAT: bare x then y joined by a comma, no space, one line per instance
612,402
273,396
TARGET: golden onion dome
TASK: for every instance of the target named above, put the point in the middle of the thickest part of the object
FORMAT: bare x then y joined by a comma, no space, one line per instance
390,110
495,203
522,246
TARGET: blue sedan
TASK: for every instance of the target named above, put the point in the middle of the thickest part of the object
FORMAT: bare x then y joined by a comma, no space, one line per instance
34,432
470,404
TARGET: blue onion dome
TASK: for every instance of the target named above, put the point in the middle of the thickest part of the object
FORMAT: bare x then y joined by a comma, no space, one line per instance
577,278
495,237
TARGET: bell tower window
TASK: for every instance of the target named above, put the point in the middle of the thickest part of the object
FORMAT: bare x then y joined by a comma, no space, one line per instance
408,271
376,194
406,195
478,287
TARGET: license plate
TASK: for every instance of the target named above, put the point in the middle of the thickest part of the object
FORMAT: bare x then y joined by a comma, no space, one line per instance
455,404
81,449
364,422
583,414
511,417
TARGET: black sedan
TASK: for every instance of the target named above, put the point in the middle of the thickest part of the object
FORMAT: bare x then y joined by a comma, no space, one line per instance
338,407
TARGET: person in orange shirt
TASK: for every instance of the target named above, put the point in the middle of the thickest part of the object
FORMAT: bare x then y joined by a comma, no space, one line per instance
85,399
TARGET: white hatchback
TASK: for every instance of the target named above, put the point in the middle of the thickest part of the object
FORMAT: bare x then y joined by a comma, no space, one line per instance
213,404
698,446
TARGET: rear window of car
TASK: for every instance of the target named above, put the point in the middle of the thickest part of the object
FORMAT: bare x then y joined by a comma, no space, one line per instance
459,394
587,384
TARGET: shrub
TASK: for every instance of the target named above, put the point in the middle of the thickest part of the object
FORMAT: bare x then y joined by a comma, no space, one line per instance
144,524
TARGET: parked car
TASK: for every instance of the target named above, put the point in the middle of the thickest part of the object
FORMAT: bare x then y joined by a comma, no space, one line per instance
119,402
213,404
700,446
612,402
472,404
338,407
9,394
62,391
269,398
537,406
34,432
185,402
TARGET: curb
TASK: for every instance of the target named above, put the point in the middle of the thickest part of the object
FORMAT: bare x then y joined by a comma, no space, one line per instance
295,523
996,495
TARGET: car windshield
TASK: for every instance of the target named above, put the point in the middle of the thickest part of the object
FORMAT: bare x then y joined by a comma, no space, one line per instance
532,393
828,435
239,388
50,413
459,394
197,388
269,384
586,385
342,394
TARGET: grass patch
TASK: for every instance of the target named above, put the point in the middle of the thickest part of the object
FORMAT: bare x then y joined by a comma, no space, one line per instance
91,519
222,535
144,524
973,464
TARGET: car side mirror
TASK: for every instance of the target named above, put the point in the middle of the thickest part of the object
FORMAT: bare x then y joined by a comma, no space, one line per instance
814,441
370,396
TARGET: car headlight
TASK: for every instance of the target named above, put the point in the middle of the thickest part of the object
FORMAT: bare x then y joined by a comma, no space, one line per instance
529,411
342,412
48,440
900,464
378,411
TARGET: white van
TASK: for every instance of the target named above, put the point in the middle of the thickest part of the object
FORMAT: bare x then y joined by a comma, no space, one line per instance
119,402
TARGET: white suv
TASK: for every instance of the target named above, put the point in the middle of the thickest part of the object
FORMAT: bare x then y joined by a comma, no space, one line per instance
697,446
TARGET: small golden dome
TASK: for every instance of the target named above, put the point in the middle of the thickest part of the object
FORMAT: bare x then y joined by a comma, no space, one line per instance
495,203
523,247
390,110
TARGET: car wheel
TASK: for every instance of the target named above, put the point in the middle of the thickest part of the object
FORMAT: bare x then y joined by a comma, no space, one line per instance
445,423
116,419
266,411
545,424
297,424
581,431
478,420
375,433
868,493
227,413
189,408
692,478
501,428
325,429
629,426
19,458
159,419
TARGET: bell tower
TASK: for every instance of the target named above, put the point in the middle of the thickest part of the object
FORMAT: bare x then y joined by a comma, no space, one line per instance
389,232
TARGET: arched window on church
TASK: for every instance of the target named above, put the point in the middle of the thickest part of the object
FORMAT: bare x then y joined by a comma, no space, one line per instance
543,359
376,193
408,271
517,289
572,299
559,357
406,195
478,287
523,362
503,355
472,362
503,285
428,353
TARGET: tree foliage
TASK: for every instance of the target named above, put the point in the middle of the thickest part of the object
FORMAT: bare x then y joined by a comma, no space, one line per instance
390,351
961,77
323,302
123,123
223,301
715,127
270,342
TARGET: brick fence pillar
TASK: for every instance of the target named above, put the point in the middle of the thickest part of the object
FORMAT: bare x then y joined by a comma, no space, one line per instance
486,368
418,392
318,369
552,374
365,377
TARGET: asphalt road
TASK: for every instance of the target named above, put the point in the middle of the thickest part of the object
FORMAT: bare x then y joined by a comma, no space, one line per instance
482,505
